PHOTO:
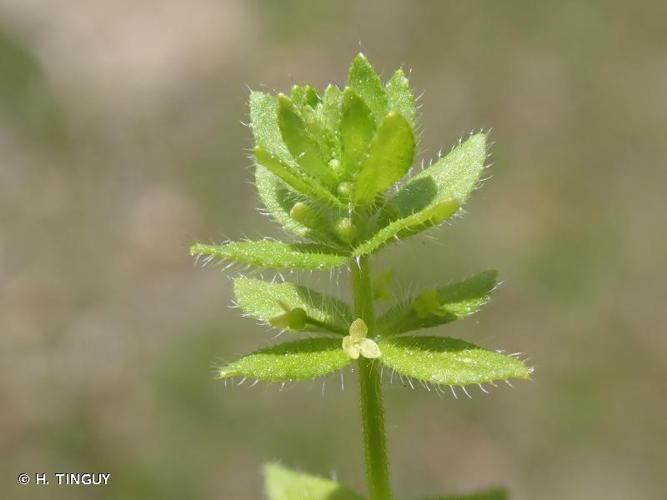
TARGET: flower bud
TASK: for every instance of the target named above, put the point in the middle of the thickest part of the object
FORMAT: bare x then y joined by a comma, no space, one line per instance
346,230
294,319
345,189
297,319
334,165
303,213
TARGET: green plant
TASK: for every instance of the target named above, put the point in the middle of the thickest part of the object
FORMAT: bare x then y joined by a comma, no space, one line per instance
331,168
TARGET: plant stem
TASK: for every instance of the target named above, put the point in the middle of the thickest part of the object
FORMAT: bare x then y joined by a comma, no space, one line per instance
372,409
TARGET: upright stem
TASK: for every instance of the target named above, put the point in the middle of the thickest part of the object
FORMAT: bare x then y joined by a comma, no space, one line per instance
372,409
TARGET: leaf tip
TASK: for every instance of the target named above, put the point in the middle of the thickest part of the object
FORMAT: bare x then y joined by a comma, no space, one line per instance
361,57
478,140
226,372
196,249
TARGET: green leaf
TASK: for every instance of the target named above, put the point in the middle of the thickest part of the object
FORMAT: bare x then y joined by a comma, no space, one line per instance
326,139
265,129
448,361
454,301
273,254
290,175
367,84
400,97
285,484
406,226
264,300
330,110
300,143
494,494
389,158
278,200
453,177
432,196
357,128
299,360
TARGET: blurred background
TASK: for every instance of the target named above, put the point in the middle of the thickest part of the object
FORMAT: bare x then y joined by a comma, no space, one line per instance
122,142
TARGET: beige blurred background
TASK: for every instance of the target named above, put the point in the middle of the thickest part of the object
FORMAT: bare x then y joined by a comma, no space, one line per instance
122,142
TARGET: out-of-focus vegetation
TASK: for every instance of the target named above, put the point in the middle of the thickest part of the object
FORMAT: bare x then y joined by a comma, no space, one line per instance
122,142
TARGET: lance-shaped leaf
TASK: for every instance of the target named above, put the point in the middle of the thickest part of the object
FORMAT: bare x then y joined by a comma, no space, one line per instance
494,494
273,254
299,360
265,129
406,226
326,138
389,158
330,110
453,177
285,484
448,361
303,147
293,177
400,97
367,84
265,300
423,201
357,128
439,306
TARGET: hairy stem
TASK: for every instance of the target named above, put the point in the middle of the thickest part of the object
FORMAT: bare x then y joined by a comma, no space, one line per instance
372,409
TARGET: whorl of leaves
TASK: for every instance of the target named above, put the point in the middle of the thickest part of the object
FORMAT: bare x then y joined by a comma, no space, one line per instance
333,168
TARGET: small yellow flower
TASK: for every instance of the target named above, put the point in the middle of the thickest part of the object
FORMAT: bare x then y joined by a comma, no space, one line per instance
356,343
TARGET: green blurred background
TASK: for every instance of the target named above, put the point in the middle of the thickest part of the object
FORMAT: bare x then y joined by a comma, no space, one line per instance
122,142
